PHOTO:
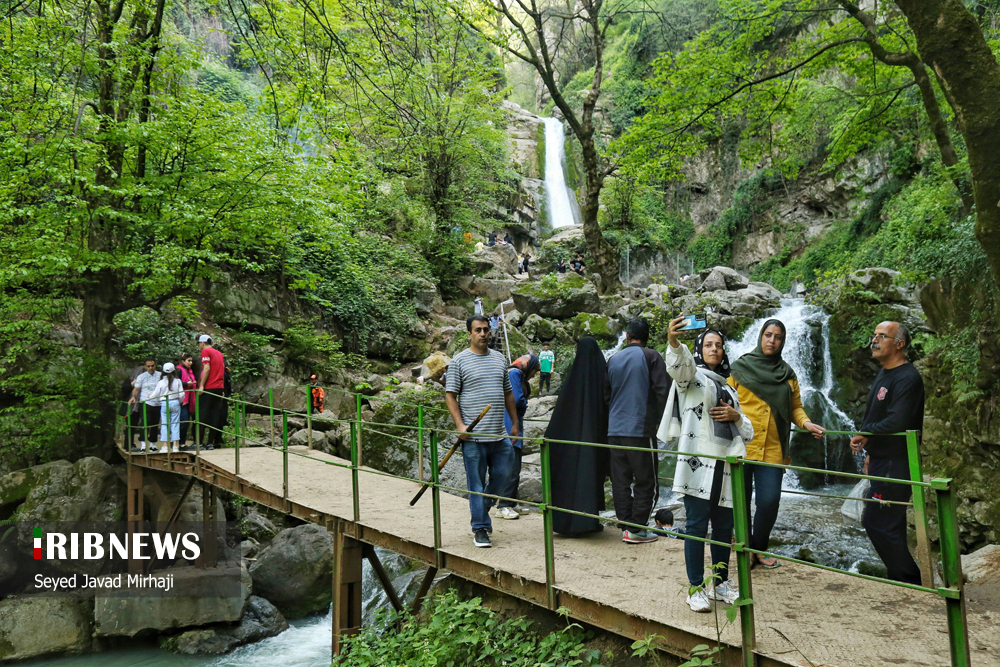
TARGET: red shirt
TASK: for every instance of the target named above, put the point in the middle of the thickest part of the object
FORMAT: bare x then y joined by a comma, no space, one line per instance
216,367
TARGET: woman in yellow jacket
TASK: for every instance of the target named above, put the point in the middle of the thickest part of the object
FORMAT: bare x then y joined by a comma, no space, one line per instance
769,396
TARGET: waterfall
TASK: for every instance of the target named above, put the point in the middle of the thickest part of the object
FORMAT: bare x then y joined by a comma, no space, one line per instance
807,351
560,209
618,345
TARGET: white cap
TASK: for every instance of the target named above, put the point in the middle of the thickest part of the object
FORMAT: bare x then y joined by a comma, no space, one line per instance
168,367
204,338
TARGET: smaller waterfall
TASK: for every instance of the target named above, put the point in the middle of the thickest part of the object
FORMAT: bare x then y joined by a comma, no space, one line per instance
560,209
619,345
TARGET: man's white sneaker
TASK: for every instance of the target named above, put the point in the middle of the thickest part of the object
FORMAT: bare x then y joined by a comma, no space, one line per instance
508,513
699,601
726,592
523,511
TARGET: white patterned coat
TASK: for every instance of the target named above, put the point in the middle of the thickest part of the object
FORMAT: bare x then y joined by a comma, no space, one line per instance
693,392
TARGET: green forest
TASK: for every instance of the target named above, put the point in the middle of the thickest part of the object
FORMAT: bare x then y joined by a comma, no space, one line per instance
336,152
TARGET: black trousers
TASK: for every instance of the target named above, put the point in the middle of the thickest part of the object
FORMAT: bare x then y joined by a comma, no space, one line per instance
147,429
544,380
886,524
633,479
212,408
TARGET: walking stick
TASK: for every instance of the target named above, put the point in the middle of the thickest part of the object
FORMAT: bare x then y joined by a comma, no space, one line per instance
450,452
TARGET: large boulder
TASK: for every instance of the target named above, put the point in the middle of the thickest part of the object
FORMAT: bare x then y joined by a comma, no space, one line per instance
424,296
86,491
220,595
982,565
599,326
559,296
32,627
261,620
492,289
721,278
434,366
537,328
498,261
295,570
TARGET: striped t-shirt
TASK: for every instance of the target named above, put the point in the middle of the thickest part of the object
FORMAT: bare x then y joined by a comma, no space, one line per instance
480,380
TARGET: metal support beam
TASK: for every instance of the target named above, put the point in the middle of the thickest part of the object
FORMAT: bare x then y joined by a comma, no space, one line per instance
741,521
383,577
951,568
347,555
425,586
134,508
924,559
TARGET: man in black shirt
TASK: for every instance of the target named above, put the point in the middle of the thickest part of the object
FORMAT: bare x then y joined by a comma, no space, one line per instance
895,404
578,265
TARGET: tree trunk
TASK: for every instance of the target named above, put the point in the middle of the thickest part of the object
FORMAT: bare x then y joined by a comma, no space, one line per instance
951,42
604,259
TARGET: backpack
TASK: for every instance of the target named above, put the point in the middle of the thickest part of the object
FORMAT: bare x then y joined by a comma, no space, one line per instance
318,398
227,383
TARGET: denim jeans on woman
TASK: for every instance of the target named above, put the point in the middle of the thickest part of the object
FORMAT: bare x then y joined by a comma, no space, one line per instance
765,482
699,513
495,458
173,420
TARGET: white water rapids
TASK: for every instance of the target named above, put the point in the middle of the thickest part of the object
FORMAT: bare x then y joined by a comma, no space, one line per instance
557,194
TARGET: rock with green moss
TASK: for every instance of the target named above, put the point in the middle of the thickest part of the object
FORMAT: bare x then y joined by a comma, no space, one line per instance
559,296
538,329
599,326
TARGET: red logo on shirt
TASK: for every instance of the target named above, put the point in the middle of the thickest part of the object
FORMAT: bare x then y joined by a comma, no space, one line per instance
882,391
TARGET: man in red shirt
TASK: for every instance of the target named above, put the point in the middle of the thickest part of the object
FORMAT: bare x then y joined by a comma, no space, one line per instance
212,406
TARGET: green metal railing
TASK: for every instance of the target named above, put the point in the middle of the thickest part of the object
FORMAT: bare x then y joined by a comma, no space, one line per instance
951,590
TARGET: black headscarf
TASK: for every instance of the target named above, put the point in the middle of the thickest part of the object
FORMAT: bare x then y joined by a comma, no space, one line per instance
767,376
580,415
699,360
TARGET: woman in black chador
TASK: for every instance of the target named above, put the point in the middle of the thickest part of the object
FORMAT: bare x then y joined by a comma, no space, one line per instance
581,415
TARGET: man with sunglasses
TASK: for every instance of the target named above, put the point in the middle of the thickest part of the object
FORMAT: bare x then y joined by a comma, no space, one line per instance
895,404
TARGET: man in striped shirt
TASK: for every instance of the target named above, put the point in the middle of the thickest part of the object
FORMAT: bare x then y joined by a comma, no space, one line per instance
477,377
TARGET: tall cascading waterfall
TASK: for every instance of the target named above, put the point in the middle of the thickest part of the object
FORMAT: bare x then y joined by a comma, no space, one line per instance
807,351
557,194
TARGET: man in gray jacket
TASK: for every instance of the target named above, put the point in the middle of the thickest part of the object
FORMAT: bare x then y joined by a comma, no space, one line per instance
636,392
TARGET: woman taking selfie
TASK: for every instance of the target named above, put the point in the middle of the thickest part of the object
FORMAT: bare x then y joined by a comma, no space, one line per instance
769,393
703,415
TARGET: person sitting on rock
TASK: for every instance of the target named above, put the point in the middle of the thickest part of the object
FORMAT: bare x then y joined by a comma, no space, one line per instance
492,239
508,239
561,266
578,265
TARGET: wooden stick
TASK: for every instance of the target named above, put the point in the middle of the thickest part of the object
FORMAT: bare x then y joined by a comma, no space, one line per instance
451,451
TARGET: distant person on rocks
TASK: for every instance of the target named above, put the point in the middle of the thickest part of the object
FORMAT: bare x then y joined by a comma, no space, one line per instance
561,266
769,396
491,239
170,391
211,389
477,306
546,361
520,264
188,411
580,415
147,418
478,377
578,265
525,263
895,404
494,331
479,246
636,392
703,415
508,239
467,237
520,372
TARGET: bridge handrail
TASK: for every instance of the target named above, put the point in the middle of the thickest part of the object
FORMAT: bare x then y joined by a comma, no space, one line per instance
951,591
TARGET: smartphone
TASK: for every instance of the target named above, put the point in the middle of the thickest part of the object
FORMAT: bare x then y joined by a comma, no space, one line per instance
696,321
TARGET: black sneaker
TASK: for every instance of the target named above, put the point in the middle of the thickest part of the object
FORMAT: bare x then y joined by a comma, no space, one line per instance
208,448
482,539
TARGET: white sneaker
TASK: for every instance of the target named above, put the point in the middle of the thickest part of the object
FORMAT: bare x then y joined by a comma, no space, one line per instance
523,511
699,601
163,449
508,513
142,446
726,592
176,449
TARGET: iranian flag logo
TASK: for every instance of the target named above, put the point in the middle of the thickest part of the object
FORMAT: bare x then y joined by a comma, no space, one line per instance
38,543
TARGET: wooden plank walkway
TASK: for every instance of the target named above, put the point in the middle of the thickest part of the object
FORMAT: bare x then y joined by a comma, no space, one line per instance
632,590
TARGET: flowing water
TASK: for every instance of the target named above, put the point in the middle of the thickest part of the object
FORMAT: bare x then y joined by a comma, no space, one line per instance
557,194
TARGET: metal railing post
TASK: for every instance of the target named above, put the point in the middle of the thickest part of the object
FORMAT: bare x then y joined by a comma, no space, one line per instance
420,443
270,409
550,558
436,500
309,415
284,454
354,471
953,590
357,399
741,525
237,421
924,558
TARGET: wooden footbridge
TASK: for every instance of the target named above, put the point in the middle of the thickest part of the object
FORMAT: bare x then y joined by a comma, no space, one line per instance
800,614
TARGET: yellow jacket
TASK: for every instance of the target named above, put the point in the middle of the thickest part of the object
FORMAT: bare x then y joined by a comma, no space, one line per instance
766,445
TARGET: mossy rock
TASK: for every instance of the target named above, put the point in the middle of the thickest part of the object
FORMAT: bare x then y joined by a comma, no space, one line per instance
559,296
538,328
600,327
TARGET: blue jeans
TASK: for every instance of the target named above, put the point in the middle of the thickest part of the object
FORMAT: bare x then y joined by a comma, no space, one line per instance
513,480
765,481
495,457
174,421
